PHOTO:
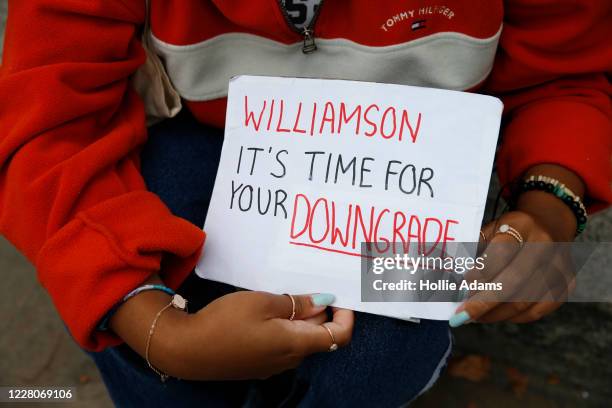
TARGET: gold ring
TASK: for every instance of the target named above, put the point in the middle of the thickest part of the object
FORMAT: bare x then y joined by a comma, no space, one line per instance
484,237
334,345
292,306
507,229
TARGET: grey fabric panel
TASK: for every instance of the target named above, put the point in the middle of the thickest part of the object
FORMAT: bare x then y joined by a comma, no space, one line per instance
447,60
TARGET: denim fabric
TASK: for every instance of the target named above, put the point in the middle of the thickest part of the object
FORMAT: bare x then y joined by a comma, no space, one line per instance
388,363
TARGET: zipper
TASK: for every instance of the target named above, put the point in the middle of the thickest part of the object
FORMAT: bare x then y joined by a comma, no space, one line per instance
309,45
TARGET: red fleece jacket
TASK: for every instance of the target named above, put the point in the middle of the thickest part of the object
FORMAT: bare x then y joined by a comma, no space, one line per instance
71,195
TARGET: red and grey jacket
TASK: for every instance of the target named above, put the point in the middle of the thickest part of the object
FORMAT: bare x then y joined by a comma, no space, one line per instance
72,198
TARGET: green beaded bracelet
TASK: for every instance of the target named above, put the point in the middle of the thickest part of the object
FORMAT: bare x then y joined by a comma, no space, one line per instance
554,186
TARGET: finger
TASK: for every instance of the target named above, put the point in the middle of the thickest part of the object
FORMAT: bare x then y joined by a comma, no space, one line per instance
488,231
516,286
299,306
499,252
505,311
498,255
523,307
522,286
485,236
342,324
317,319
536,312
316,338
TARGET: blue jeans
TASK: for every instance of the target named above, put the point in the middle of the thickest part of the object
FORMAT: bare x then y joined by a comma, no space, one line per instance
388,363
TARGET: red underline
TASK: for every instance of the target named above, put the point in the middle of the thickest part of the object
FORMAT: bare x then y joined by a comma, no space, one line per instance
339,251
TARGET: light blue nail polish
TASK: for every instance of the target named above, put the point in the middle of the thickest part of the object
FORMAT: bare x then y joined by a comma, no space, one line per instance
323,299
459,319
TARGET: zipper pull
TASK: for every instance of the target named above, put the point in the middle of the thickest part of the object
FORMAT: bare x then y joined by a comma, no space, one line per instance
309,42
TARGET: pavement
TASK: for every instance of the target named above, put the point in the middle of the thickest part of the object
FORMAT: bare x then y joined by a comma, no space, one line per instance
36,350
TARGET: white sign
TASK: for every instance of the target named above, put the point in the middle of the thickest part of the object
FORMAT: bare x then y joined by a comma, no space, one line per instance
311,168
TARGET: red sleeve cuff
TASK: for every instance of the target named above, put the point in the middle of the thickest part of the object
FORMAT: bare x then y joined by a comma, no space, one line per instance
105,252
575,135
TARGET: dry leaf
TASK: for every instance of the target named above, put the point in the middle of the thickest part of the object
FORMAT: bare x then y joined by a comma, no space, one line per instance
518,381
471,367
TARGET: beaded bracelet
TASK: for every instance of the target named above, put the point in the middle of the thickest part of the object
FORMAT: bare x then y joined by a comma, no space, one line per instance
554,186
104,323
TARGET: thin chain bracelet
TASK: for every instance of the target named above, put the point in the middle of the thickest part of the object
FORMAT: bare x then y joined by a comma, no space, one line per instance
177,302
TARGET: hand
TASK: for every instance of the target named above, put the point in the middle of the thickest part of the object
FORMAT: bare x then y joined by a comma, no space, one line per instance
243,335
536,278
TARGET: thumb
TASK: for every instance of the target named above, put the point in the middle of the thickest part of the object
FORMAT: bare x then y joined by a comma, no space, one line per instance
305,306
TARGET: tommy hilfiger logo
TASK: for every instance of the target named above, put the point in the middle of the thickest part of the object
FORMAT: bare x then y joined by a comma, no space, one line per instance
418,25
415,17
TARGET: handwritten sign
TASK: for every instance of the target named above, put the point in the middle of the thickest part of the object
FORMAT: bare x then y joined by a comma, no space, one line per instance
311,169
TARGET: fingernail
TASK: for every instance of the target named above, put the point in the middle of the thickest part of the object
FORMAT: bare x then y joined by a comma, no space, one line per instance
459,319
323,299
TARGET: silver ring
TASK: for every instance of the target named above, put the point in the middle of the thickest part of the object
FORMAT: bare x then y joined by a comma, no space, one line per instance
292,306
507,229
334,345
